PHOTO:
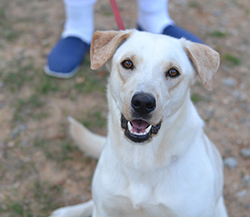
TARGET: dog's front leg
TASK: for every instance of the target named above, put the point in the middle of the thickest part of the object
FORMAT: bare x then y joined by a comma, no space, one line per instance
80,210
99,212
95,214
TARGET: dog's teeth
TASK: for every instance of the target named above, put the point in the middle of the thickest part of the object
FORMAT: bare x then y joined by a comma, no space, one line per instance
130,128
148,129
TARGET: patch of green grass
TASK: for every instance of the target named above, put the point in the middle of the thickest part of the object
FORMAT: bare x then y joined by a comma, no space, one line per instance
193,4
10,34
56,150
48,85
18,73
40,116
46,195
218,34
91,84
66,151
87,62
16,208
94,119
35,101
2,13
93,80
7,31
106,10
231,60
47,198
242,173
196,98
25,108
19,107
45,146
24,169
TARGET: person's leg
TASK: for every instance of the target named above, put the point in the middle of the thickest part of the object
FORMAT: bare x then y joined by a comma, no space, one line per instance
79,19
153,17
66,56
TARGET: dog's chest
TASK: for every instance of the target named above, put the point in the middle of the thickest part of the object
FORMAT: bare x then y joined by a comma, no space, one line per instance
165,193
138,200
160,200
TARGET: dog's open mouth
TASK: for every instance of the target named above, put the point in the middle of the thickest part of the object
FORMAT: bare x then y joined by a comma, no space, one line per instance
139,130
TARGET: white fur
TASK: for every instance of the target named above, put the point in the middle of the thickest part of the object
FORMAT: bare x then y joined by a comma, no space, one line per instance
178,173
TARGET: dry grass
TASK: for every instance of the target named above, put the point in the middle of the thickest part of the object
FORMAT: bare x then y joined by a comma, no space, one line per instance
40,168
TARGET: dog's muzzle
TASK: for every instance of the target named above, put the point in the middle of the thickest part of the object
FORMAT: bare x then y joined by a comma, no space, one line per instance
139,130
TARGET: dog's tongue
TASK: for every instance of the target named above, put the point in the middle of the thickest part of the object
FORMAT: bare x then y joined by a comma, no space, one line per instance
139,125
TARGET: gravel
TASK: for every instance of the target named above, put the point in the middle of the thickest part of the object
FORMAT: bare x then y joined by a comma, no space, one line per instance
230,162
230,82
245,153
246,179
17,130
242,193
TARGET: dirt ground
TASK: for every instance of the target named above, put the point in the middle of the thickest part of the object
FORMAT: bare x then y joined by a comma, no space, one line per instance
40,167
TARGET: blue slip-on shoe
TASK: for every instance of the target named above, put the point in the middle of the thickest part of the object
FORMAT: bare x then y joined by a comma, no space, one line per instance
177,32
66,57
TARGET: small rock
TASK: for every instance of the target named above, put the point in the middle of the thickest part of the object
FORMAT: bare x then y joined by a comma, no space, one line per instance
84,198
239,141
245,152
246,179
227,150
22,128
80,80
230,162
217,13
243,120
15,133
24,144
2,105
229,81
242,193
244,105
237,95
210,114
17,130
10,144
181,3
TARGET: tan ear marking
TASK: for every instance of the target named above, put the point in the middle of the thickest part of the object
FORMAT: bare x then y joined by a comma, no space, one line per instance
103,46
206,62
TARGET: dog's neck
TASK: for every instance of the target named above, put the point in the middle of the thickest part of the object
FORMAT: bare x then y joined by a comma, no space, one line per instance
164,147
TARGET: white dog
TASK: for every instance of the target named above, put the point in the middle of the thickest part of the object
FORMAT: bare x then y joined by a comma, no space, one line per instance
156,160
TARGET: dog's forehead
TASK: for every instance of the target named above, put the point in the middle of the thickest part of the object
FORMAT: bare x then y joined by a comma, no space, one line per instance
150,45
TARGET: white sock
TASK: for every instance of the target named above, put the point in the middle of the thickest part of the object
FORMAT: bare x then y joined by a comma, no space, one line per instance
153,15
79,19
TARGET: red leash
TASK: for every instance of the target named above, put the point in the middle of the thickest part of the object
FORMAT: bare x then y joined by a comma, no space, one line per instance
117,15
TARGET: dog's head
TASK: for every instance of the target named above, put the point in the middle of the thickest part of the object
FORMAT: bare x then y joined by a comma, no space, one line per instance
150,76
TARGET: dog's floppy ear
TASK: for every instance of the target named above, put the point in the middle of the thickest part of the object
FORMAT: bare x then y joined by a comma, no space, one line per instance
103,46
206,62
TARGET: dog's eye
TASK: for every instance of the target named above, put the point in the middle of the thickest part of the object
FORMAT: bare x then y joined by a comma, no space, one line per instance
173,73
127,64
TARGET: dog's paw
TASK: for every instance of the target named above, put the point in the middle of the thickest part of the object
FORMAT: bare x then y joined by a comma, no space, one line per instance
80,210
63,212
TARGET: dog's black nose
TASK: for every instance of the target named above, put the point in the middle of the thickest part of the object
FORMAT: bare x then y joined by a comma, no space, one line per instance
143,103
